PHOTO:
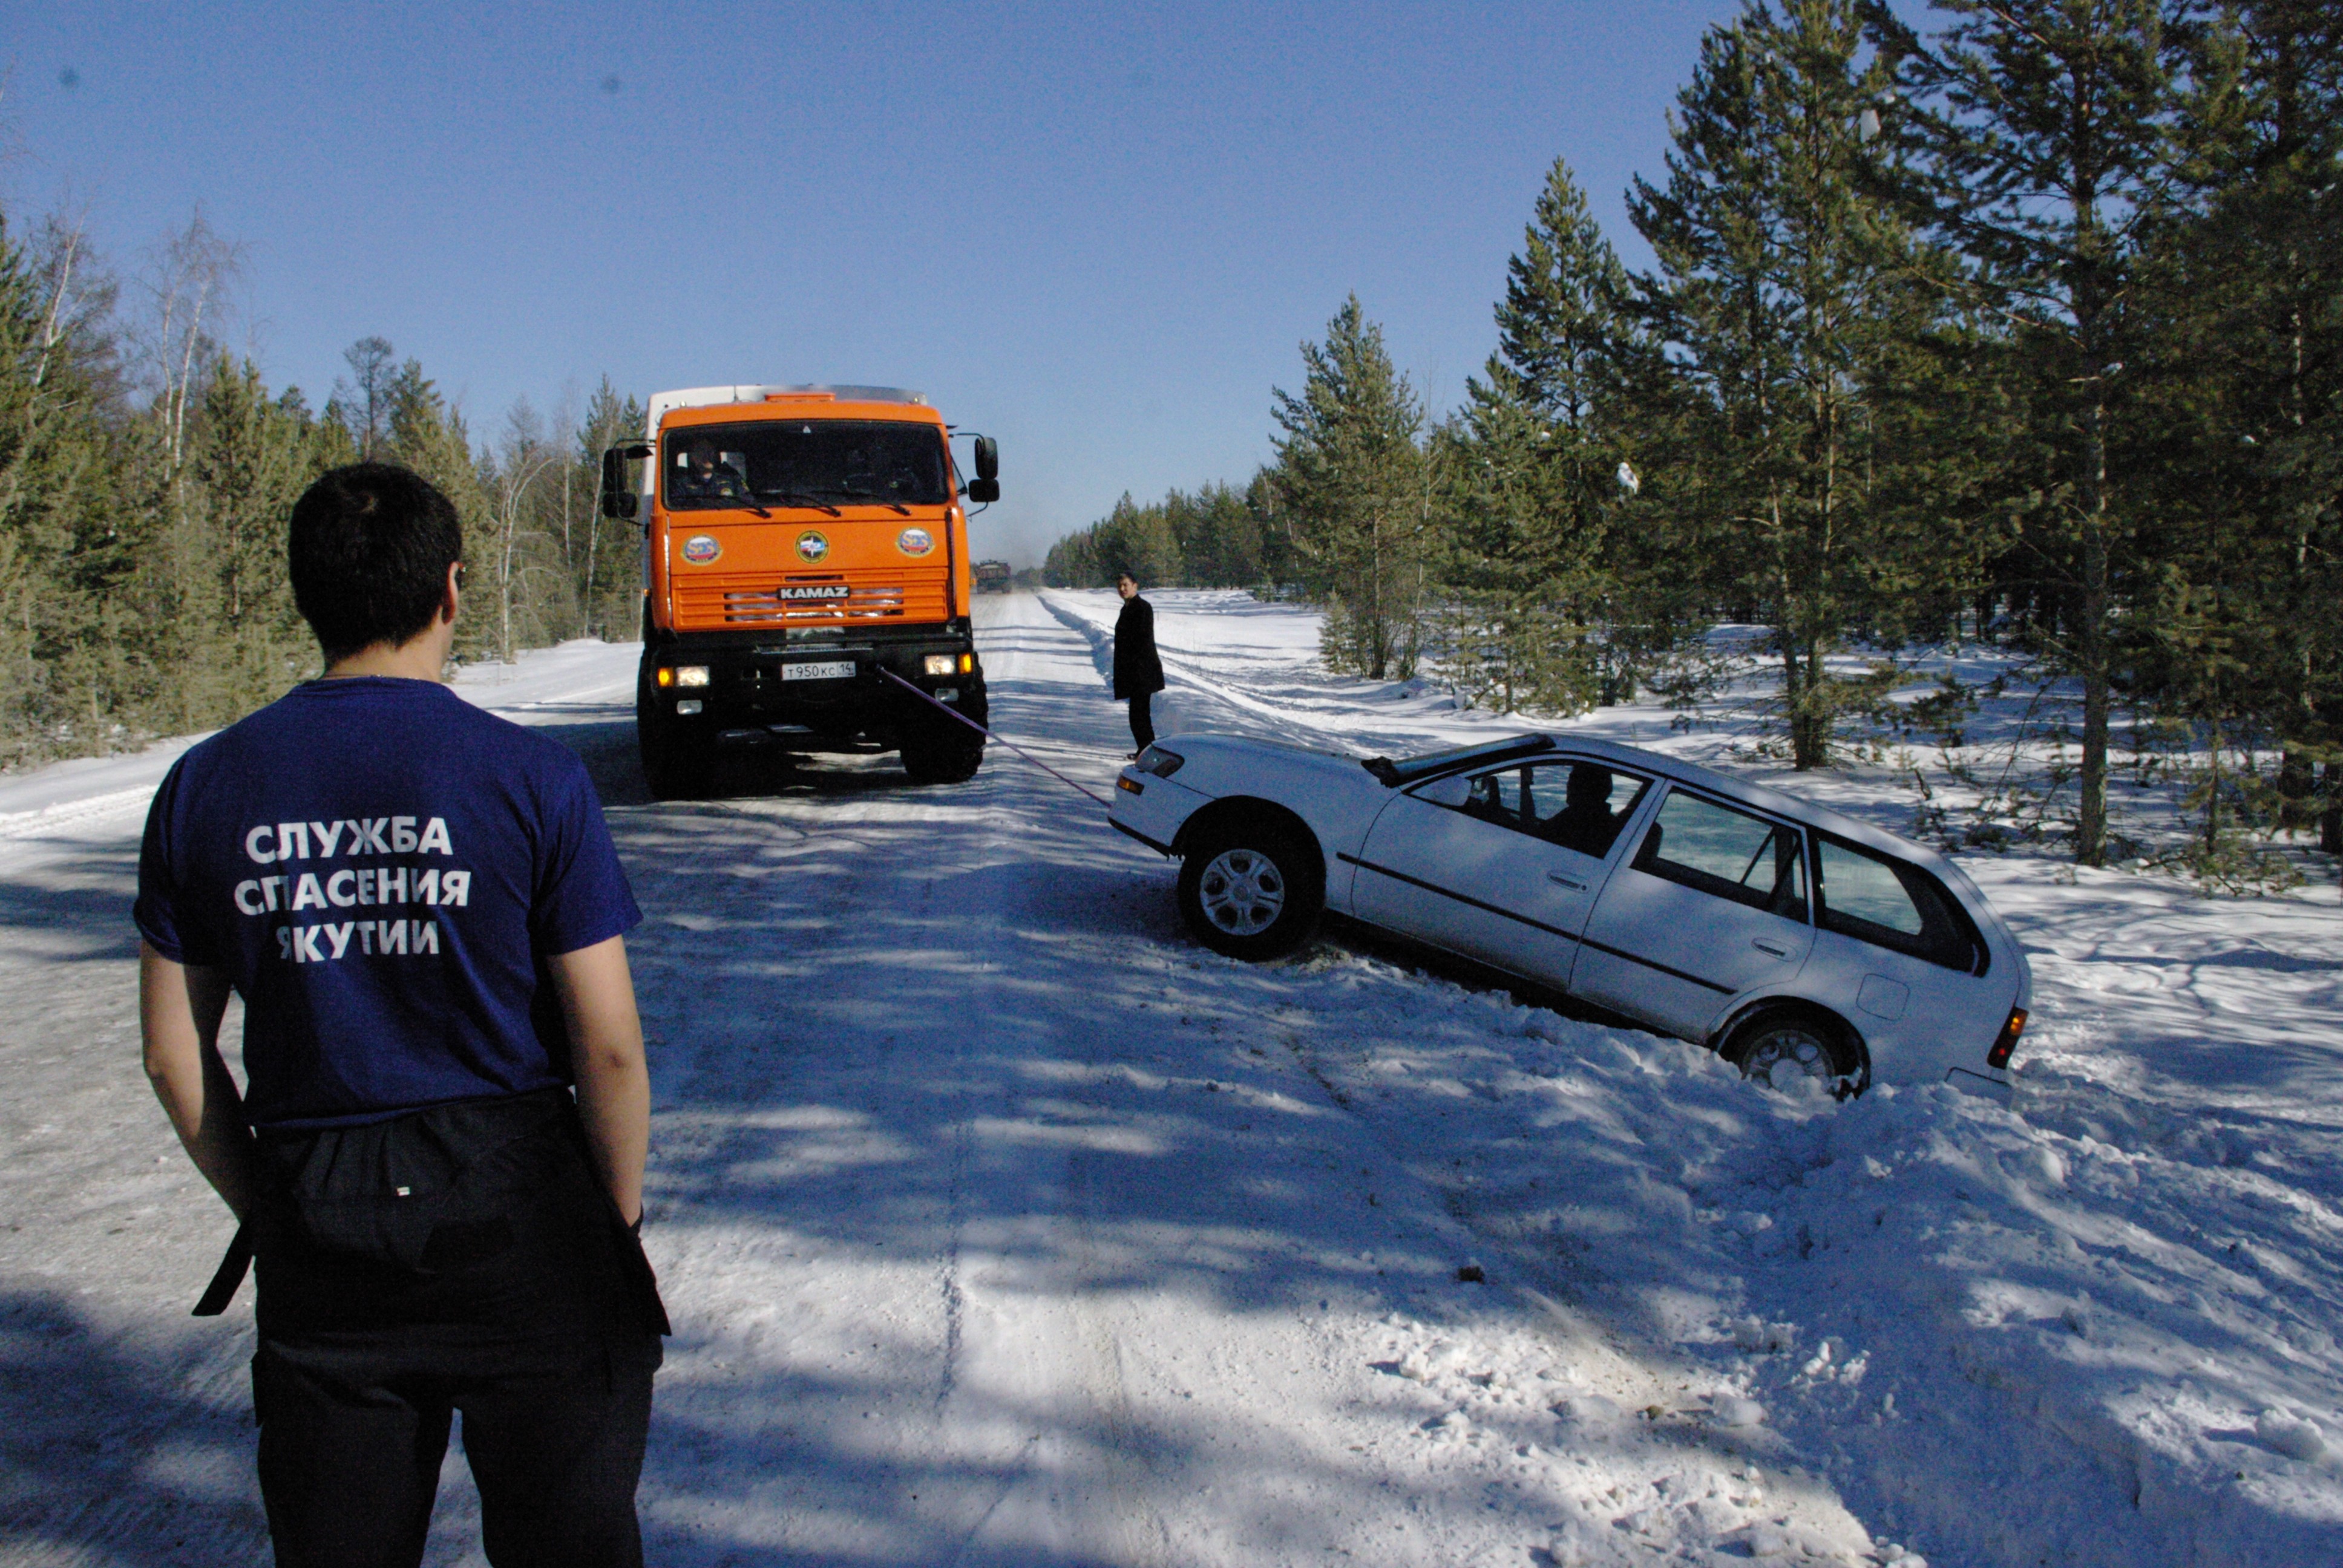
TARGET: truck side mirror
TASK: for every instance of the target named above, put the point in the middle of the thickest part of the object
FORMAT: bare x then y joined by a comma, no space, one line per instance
988,461
985,490
619,499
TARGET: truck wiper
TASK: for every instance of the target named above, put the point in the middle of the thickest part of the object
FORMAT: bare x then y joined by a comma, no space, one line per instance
861,495
800,499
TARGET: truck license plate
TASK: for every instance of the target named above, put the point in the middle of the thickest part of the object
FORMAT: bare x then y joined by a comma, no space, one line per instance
834,669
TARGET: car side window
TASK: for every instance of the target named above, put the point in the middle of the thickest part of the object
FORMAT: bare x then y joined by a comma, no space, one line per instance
1701,844
1890,904
1580,806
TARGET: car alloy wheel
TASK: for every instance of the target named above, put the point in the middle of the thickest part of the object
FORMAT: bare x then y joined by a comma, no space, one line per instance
1788,1051
1242,892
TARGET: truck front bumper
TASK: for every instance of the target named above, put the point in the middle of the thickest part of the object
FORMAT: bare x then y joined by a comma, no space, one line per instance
813,695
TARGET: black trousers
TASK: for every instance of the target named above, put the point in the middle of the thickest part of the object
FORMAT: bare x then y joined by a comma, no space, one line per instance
532,1313
351,1440
1142,722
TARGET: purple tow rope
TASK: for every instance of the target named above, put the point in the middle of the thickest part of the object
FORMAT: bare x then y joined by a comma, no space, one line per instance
981,730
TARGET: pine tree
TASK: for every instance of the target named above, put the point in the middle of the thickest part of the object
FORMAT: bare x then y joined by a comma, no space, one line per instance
422,432
2244,286
1787,289
1535,466
251,460
1354,483
2048,123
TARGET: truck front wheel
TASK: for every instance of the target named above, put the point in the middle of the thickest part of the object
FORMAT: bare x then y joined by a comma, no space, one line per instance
942,758
676,765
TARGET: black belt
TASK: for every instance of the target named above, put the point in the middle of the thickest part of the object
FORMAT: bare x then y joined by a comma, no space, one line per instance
235,1263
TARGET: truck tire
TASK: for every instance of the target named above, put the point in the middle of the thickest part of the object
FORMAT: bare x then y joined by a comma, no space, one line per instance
1249,888
942,759
676,766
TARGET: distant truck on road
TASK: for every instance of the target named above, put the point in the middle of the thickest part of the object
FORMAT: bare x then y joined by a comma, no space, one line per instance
800,544
992,577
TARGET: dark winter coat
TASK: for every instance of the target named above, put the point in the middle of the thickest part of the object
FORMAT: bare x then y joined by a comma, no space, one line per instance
1136,667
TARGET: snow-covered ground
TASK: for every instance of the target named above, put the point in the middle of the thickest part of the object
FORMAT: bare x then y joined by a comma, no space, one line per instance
1001,1224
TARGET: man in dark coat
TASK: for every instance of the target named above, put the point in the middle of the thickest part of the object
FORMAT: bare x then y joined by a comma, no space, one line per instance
1138,672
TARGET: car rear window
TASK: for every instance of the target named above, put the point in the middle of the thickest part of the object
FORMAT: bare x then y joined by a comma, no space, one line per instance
1893,904
1715,849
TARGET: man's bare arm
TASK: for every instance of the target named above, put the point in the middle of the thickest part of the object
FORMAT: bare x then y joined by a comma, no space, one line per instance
605,1051
179,1009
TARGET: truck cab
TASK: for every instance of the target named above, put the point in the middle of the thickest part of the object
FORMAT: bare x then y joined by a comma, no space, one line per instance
806,578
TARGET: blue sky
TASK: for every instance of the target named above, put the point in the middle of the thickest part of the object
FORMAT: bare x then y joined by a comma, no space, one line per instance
1098,232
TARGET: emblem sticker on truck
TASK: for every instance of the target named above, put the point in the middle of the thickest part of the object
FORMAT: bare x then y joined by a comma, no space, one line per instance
915,541
812,545
701,549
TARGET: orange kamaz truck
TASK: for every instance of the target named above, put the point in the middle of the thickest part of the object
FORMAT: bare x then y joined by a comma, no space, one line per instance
801,545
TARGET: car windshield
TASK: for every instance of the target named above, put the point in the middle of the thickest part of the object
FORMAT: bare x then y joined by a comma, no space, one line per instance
1410,768
804,462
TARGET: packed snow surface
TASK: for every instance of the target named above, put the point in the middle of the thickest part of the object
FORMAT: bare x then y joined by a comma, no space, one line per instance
1002,1224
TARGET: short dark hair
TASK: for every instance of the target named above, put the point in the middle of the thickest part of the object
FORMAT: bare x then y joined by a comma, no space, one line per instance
368,551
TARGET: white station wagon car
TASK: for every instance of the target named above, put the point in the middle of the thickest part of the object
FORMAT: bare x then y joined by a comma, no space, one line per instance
1792,940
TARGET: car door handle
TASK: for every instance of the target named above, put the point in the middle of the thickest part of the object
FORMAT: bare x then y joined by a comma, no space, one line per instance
1566,881
1767,945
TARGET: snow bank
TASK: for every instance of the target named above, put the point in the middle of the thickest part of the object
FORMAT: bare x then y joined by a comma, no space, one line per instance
2095,1328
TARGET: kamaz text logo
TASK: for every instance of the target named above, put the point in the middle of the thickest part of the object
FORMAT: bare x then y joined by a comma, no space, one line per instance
811,591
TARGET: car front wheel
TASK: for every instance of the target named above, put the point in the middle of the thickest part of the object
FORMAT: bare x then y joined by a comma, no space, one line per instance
1251,890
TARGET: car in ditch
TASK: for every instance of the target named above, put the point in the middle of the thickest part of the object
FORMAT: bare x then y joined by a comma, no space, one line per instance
1800,944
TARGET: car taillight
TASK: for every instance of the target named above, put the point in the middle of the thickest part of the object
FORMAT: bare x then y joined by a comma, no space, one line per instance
2006,1041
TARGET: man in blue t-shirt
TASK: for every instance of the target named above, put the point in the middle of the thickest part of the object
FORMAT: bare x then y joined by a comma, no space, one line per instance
436,1160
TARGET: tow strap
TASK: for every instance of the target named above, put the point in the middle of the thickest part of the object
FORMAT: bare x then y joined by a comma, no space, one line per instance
981,730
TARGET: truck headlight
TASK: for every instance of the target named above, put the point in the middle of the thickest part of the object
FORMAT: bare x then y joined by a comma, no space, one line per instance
691,675
939,664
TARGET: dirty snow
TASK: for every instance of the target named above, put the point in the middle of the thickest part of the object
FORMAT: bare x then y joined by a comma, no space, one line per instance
1003,1225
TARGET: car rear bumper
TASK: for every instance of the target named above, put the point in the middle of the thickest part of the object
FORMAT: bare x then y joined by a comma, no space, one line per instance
1990,1084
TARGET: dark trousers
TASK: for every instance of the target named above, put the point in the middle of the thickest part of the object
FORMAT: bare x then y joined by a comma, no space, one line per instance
351,1442
527,1307
1142,722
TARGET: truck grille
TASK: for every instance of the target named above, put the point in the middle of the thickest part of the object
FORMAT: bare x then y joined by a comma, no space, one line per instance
712,600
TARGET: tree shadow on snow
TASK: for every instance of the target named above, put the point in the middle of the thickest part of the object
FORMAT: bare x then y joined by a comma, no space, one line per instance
144,1454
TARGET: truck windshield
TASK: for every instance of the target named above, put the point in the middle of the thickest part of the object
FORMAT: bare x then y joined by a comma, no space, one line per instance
804,462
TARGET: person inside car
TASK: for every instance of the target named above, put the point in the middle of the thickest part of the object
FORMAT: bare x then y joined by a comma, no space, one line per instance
1585,822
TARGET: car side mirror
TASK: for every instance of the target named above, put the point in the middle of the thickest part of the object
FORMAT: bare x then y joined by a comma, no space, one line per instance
987,460
984,490
1453,791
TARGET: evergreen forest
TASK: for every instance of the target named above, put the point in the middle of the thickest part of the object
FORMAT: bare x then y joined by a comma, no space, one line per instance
2022,326
146,474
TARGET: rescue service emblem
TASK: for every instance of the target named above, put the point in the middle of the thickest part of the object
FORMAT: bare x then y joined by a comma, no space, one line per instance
812,548
915,541
701,549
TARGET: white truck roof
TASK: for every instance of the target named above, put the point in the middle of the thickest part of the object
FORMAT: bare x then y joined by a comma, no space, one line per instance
662,403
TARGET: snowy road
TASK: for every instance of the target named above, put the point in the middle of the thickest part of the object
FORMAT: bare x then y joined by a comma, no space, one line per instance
1001,1224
